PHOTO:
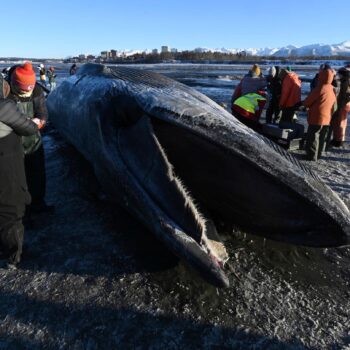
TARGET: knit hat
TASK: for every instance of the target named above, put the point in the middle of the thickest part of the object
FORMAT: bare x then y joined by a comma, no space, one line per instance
24,77
256,70
272,71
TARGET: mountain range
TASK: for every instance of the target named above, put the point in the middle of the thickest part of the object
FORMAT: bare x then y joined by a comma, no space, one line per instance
317,50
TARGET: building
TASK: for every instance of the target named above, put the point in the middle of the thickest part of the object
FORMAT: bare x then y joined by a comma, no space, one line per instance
114,53
90,57
155,51
165,49
173,50
104,54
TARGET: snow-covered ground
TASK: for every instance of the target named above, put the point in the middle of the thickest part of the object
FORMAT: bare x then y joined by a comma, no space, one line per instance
94,278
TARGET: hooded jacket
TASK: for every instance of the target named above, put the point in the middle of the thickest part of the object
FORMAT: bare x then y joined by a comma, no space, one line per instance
321,100
291,89
251,83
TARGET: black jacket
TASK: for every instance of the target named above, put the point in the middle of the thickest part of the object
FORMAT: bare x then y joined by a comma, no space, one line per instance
13,186
12,118
38,100
344,91
33,107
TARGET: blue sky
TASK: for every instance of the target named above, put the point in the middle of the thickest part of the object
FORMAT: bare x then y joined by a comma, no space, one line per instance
62,28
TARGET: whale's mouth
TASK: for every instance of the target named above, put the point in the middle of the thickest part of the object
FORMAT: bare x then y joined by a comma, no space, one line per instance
168,207
240,193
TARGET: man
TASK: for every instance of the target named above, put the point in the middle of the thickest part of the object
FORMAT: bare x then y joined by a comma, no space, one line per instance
73,69
250,84
290,96
13,187
52,78
247,109
339,119
30,100
274,87
320,103
42,74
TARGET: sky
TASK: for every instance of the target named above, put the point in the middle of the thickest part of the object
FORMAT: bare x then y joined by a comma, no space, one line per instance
58,29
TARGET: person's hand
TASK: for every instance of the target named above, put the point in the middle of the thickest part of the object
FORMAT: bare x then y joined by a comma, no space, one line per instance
40,123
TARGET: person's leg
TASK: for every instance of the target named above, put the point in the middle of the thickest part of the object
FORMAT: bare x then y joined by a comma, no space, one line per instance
269,113
322,140
328,142
15,241
276,111
312,142
11,241
287,115
339,127
36,175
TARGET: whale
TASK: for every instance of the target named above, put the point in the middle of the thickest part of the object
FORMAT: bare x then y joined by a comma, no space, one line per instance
175,160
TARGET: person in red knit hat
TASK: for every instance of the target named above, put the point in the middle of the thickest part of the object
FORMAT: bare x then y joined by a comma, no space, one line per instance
23,77
30,99
13,187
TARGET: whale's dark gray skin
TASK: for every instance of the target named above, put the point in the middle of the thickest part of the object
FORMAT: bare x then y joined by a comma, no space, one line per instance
165,152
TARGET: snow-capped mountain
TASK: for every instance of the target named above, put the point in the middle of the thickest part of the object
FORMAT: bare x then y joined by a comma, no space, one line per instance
317,50
342,49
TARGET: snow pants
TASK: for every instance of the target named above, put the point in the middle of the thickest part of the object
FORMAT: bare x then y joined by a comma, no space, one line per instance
339,122
315,141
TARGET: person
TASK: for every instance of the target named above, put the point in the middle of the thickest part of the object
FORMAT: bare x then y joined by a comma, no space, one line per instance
73,69
314,81
52,76
290,96
320,103
274,87
339,118
42,74
5,71
248,108
251,83
13,187
30,100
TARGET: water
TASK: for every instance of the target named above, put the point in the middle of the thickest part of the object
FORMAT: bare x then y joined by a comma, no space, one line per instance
92,277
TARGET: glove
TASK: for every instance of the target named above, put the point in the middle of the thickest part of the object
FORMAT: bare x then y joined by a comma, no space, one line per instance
40,123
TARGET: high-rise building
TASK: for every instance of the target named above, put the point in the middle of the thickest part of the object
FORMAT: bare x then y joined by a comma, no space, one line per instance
165,49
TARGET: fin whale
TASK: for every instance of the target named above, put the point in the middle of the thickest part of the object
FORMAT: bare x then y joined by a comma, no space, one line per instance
165,151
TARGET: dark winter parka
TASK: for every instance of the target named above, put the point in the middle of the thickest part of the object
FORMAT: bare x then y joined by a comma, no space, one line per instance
13,186
344,82
33,107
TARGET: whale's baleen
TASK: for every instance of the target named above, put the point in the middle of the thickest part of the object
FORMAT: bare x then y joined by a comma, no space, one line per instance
165,151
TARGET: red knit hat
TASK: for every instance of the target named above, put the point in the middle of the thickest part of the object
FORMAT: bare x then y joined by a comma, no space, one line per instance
24,77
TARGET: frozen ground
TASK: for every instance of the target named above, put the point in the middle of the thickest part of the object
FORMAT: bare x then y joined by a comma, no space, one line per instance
93,278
